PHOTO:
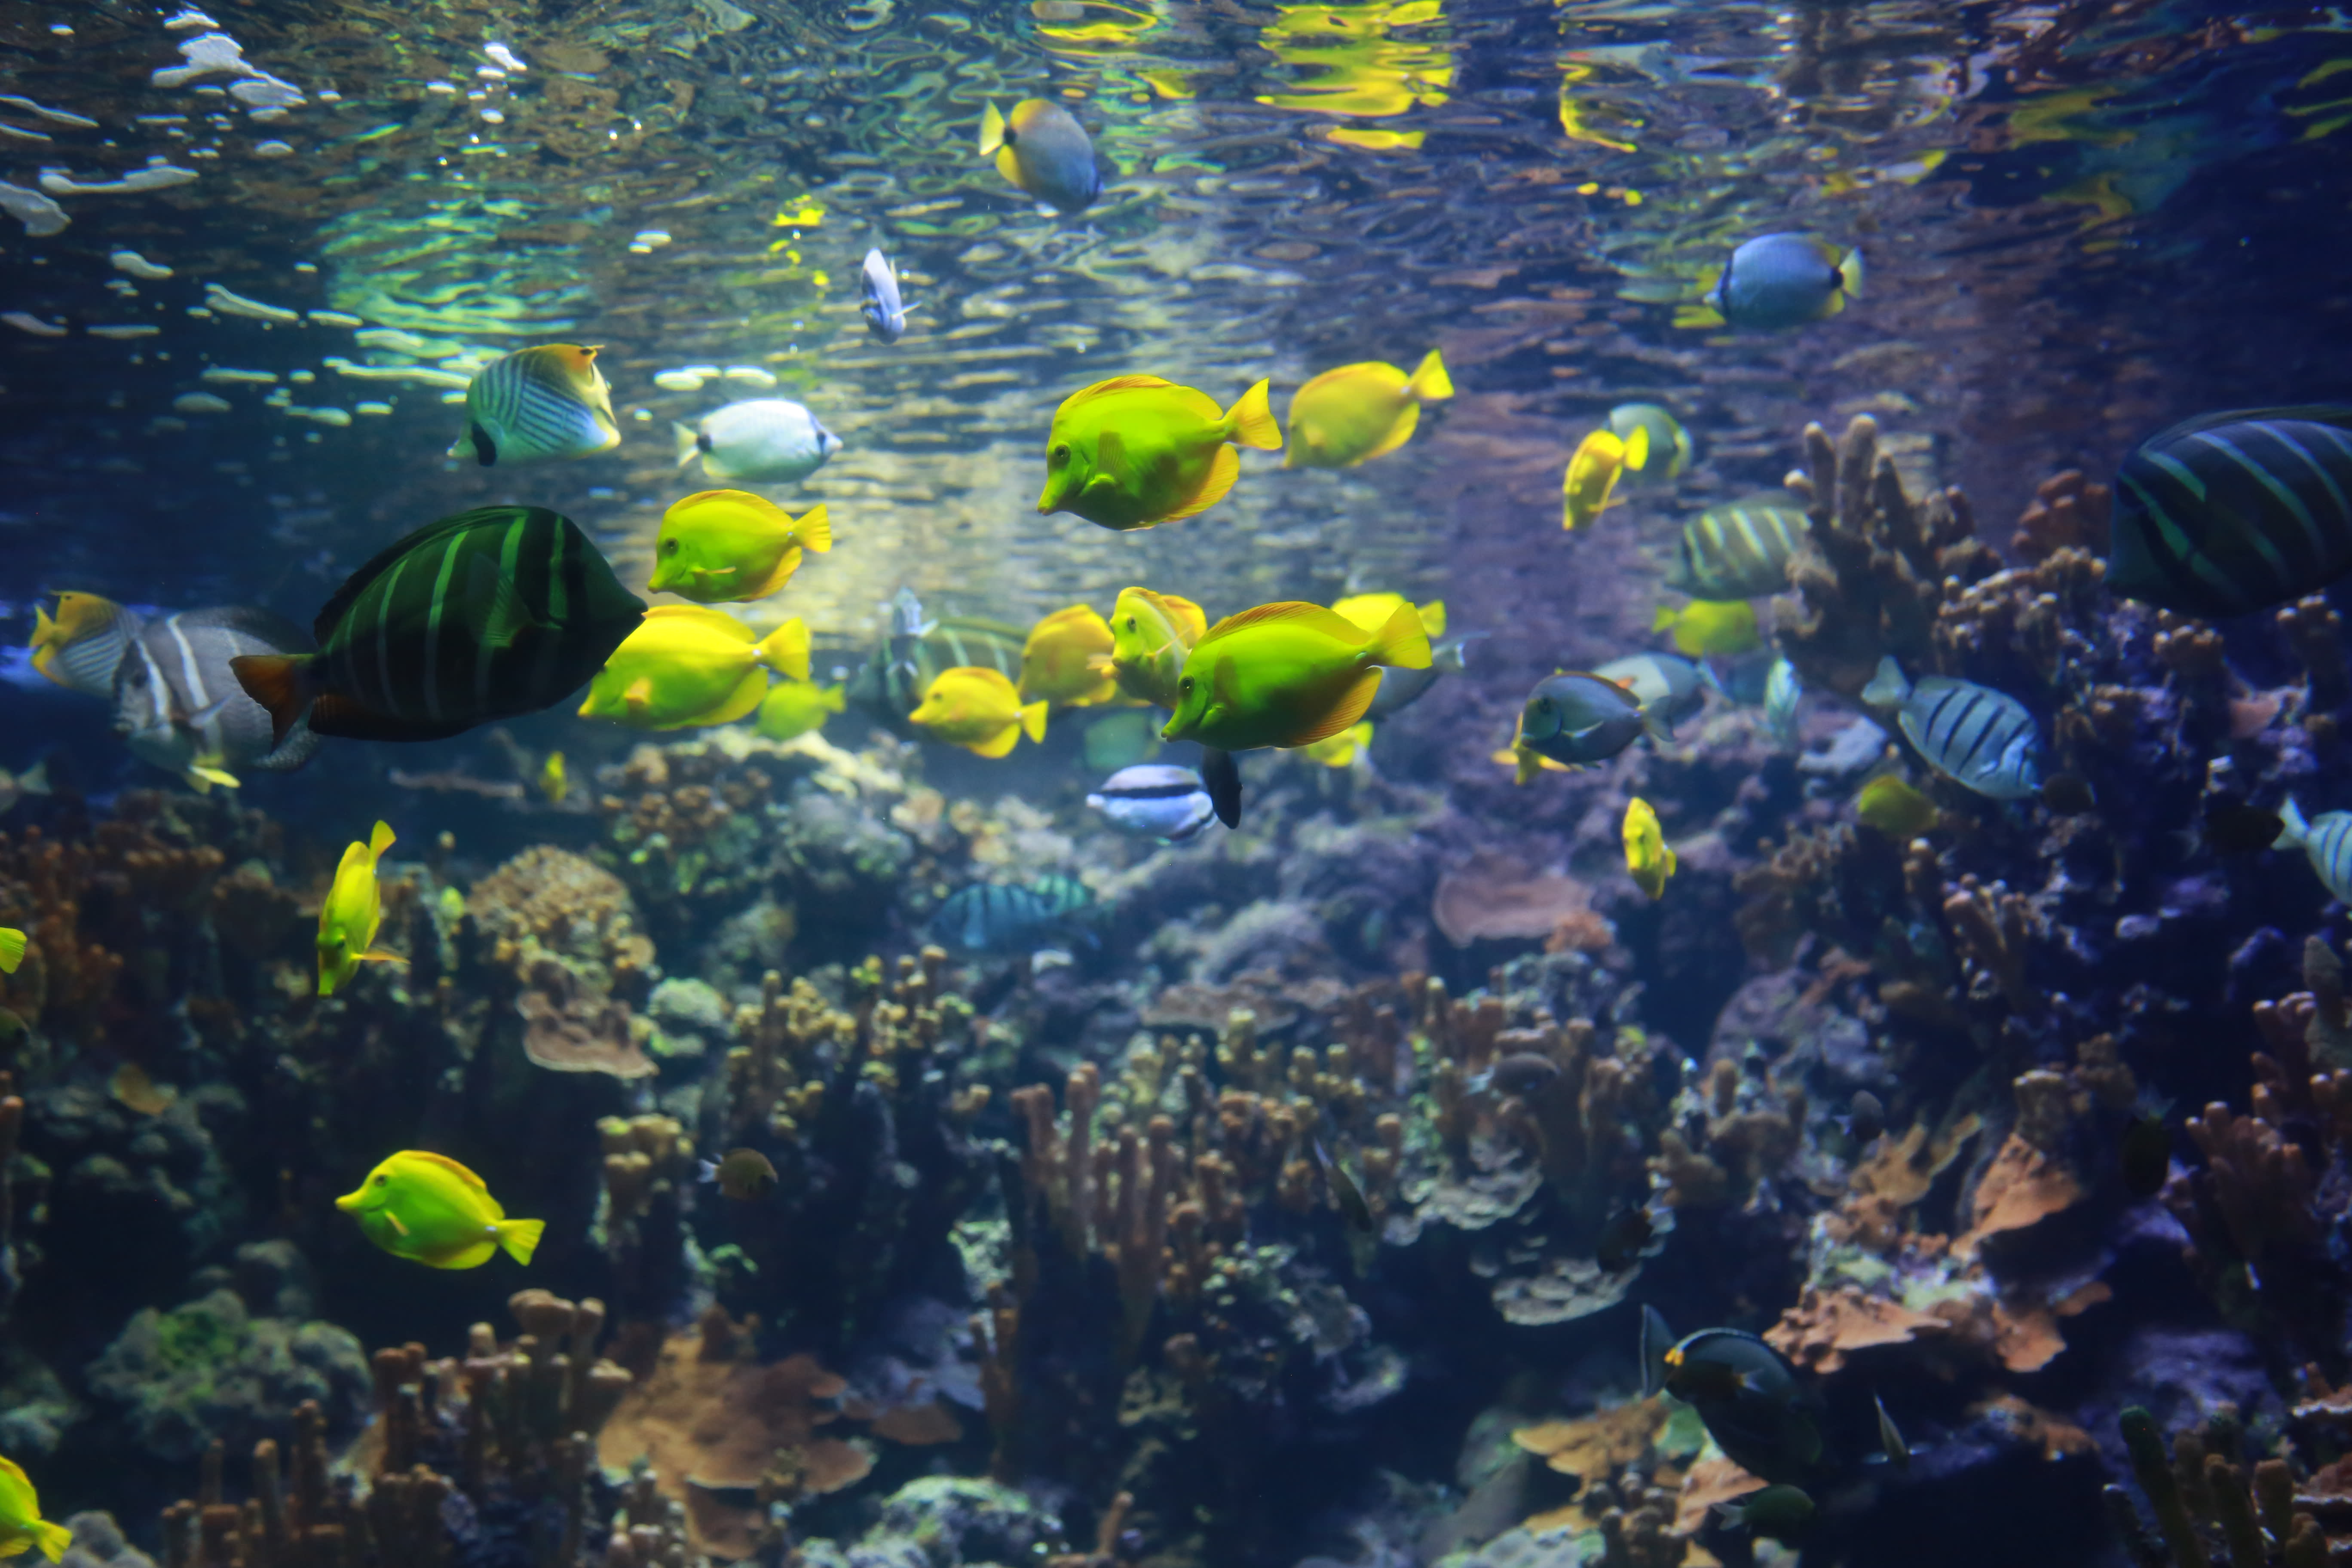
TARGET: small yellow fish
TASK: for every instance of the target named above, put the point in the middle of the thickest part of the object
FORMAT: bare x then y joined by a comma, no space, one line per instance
1042,149
1067,660
553,784
1647,855
1358,412
355,908
1151,635
22,1528
796,706
1136,450
82,647
1703,627
1893,806
1287,675
430,1208
1341,751
978,709
686,665
1371,612
744,1175
12,949
1592,473
721,547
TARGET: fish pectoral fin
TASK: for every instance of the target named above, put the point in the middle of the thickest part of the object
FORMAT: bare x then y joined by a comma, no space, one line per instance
376,956
1224,470
393,1220
639,693
1343,717
202,776
495,611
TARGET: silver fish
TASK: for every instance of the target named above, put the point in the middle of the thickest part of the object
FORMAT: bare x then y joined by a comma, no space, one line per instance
763,438
1155,800
886,316
1401,688
1973,735
179,706
1782,692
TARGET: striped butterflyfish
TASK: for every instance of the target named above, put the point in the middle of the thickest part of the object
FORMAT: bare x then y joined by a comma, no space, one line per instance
489,614
1738,552
1973,735
2232,512
82,647
535,404
180,708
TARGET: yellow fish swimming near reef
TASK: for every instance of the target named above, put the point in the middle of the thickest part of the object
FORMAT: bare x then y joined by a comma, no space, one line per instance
22,1528
1067,660
1358,412
430,1208
723,547
12,949
1042,148
1894,807
978,709
1341,751
1371,612
1703,627
687,664
1287,674
82,646
355,908
1600,457
1151,635
1135,451
793,708
553,784
1647,855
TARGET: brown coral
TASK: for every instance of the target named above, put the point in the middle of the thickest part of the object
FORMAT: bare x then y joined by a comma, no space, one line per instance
1827,1326
1489,898
2068,511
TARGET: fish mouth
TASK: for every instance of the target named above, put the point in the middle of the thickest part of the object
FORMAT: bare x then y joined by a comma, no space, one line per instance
350,1202
1049,499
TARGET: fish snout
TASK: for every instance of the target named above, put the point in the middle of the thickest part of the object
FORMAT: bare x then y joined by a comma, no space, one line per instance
350,1202
827,443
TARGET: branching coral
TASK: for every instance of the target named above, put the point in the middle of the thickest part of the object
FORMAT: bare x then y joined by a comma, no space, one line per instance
2068,511
2208,1508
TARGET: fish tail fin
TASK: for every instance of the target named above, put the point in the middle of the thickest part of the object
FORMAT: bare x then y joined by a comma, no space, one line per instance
785,650
1851,273
53,1538
1888,685
816,530
380,840
1654,725
1429,382
280,683
1032,719
203,777
833,699
520,1238
1637,448
1402,642
992,131
2292,828
1250,421
688,443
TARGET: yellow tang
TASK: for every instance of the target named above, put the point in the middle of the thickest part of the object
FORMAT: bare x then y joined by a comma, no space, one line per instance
1894,807
1647,855
1067,660
1592,473
978,709
1341,750
1137,450
686,665
722,547
1707,627
22,1528
1371,612
355,908
1287,675
553,784
793,708
82,646
1151,635
430,1208
1357,412
12,949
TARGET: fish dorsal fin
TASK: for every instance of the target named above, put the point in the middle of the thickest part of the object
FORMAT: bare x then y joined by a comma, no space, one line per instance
1186,616
1115,384
356,584
282,635
1298,610
719,621
454,1168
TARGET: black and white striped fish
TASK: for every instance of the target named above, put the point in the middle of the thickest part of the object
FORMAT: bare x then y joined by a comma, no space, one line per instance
82,647
178,705
1739,551
2233,512
2328,839
1155,800
1973,735
534,404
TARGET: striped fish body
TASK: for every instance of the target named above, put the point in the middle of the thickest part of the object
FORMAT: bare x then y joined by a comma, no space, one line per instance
988,917
892,684
2234,513
1155,800
1739,551
486,614
178,705
1978,738
81,647
2327,840
536,404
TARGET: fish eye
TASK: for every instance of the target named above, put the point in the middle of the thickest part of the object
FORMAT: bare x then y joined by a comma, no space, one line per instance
1543,704
1184,683
669,547
383,1181
1061,453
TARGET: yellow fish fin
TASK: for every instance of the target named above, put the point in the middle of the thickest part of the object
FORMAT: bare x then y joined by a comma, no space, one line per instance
992,131
1251,421
833,699
1329,622
53,1538
393,1220
1666,615
12,949
472,1257
1408,418
1350,709
373,955
1637,447
1115,384
520,1238
1433,618
814,529
785,650
462,1173
379,841
1032,720
1224,470
718,621
1401,643
1669,862
996,745
201,774
1186,616
198,783
640,692
1008,164
1429,382
749,693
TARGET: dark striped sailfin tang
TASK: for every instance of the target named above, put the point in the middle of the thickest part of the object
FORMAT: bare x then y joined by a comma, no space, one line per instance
955,642
1738,552
2235,512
